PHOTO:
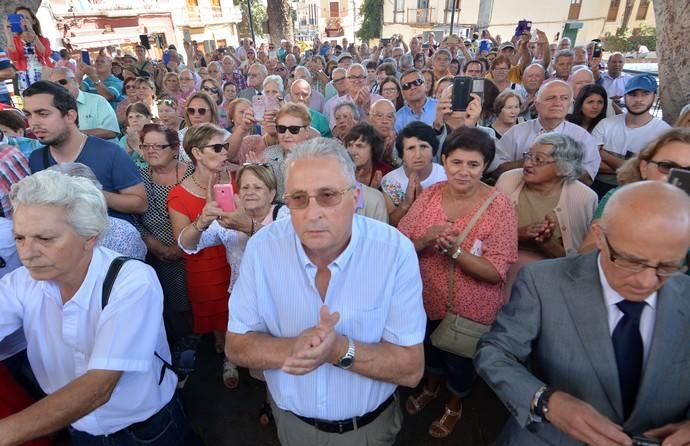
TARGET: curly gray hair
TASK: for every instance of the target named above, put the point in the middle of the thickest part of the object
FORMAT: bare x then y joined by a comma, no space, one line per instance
567,153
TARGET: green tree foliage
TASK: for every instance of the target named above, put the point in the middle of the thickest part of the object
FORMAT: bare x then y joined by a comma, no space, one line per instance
259,16
625,42
372,20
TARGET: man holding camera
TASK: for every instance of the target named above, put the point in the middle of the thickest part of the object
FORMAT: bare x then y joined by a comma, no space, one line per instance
606,333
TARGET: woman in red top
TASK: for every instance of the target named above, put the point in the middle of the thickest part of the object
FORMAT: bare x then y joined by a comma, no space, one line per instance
365,145
19,44
207,273
481,261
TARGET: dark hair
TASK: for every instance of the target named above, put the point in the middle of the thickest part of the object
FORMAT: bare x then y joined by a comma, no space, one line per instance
62,99
484,61
388,68
171,136
398,102
368,134
420,130
471,61
470,139
576,117
13,119
371,65
491,92
36,25
424,71
138,107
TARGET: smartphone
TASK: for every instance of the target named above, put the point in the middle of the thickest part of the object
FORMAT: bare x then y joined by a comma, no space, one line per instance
478,88
85,57
259,106
15,21
462,87
680,178
596,52
224,196
641,440
522,27
144,40
166,57
385,41
484,46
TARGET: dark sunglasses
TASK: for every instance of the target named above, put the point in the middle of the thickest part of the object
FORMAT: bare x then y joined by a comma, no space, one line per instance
193,111
294,129
415,83
62,82
213,90
217,147
666,166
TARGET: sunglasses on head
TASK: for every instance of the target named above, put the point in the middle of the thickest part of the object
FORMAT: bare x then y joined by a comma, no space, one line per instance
415,83
294,129
62,82
193,111
217,147
168,102
213,90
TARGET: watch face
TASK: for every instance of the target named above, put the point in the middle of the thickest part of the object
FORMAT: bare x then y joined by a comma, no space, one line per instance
346,363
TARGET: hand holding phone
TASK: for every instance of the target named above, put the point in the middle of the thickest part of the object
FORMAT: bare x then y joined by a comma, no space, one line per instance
224,195
15,21
259,106
680,178
597,50
462,87
85,57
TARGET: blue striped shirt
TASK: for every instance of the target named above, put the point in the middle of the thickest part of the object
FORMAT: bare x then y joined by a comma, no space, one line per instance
376,287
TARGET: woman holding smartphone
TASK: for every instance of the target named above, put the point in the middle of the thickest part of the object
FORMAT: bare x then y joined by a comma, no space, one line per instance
28,50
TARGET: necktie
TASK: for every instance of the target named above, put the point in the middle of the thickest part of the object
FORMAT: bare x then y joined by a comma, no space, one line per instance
629,350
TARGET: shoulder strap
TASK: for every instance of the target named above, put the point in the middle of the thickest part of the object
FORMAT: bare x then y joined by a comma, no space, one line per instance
276,209
46,158
111,275
461,238
113,271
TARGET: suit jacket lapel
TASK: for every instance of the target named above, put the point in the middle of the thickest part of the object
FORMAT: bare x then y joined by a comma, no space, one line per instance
670,331
586,305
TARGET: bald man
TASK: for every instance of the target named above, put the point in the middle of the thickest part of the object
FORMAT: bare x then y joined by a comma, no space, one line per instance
301,93
382,118
607,333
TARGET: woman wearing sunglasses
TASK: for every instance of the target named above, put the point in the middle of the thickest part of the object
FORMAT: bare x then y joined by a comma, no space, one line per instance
207,273
292,124
670,151
199,109
212,88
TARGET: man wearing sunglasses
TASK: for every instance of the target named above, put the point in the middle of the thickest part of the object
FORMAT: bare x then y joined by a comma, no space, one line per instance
418,107
336,319
623,136
52,113
96,117
606,333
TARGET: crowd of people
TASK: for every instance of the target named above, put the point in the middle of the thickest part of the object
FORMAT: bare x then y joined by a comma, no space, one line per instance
335,224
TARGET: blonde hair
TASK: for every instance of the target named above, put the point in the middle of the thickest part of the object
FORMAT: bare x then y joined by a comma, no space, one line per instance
297,110
629,172
198,136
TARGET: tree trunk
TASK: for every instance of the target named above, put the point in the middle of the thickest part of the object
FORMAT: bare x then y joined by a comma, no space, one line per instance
8,7
279,21
673,55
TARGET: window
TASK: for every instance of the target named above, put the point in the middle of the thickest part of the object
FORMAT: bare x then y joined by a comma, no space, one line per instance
335,9
613,11
574,11
398,11
450,3
642,10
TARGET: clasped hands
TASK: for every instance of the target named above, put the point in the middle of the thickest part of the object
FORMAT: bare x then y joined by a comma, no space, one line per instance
539,232
316,346
443,237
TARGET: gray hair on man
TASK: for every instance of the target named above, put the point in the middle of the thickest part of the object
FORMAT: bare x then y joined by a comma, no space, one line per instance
551,84
322,148
564,53
306,75
567,153
351,106
77,170
338,70
356,65
298,82
83,203
261,67
69,74
274,79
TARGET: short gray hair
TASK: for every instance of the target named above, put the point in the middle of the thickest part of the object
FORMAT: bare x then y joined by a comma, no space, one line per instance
356,65
274,78
77,170
549,84
567,153
83,203
322,148
305,70
69,74
563,53
351,106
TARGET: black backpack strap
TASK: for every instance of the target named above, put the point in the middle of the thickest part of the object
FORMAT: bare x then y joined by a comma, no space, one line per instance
46,158
108,282
279,205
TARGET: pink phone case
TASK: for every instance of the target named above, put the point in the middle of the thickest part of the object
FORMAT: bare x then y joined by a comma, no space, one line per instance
225,197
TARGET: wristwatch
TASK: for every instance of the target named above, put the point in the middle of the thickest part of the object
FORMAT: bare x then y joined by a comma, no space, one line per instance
456,254
346,361
540,403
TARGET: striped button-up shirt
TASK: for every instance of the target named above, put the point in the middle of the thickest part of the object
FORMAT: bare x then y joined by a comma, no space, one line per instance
376,287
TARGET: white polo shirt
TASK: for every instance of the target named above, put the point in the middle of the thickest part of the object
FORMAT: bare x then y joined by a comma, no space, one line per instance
67,340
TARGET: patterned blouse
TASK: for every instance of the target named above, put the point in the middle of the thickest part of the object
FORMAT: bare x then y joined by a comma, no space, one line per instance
494,237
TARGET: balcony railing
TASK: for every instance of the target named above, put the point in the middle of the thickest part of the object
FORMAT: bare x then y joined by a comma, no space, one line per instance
210,14
421,16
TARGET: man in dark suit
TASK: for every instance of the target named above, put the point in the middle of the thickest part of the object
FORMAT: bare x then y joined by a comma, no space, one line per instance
606,335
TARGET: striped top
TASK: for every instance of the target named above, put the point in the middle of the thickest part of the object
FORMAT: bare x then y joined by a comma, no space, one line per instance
13,167
376,287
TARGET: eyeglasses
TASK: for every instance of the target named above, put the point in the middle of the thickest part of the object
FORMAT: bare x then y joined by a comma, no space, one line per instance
294,129
337,81
128,86
537,162
217,147
637,266
666,166
389,116
213,90
389,90
193,111
186,79
281,69
415,83
155,147
62,82
325,198
357,78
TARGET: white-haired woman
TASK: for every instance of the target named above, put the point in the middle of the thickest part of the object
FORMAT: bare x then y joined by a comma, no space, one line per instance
554,208
273,88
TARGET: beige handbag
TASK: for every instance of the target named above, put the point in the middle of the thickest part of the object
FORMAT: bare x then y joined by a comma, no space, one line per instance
456,334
